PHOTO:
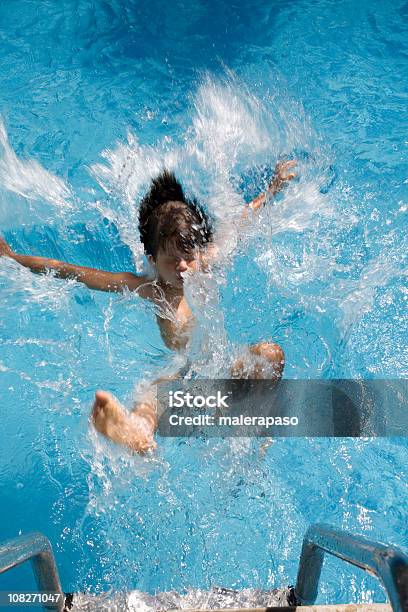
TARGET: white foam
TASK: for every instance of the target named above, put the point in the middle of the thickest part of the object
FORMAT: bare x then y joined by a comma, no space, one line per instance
28,180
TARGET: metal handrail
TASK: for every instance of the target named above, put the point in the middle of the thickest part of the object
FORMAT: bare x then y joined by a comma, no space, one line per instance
35,548
388,563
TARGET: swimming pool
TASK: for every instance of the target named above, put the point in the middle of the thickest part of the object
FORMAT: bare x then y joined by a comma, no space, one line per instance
94,97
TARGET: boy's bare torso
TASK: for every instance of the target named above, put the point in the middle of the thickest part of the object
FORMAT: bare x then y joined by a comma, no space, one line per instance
176,332
173,314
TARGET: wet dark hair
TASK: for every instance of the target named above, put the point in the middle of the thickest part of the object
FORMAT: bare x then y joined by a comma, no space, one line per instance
168,219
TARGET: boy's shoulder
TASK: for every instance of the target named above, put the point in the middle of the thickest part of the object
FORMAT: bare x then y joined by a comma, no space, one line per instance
142,283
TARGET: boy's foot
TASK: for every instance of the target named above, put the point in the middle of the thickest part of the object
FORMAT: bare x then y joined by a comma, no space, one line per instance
269,366
129,429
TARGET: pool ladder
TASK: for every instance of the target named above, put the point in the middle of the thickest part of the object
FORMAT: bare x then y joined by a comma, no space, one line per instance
388,563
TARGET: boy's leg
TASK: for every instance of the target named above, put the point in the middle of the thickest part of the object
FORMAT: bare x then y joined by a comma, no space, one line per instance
132,429
262,360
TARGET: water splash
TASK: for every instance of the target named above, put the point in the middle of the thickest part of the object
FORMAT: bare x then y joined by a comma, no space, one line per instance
28,180
197,599
297,242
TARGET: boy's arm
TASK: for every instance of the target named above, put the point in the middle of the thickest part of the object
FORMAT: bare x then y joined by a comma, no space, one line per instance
281,176
91,277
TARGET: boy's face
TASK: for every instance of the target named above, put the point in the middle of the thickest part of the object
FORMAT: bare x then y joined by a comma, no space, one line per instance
171,264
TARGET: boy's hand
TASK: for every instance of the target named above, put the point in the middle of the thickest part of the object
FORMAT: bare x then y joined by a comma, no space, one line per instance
5,250
282,175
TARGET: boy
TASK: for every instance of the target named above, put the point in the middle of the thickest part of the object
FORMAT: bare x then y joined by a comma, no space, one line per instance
178,239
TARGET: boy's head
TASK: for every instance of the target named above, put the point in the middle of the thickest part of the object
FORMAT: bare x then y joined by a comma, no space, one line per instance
172,228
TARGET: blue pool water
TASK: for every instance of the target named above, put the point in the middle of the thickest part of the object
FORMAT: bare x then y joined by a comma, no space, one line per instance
95,97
